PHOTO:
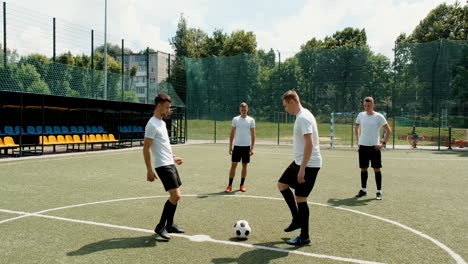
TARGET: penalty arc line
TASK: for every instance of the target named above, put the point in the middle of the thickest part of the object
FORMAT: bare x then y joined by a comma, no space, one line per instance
454,255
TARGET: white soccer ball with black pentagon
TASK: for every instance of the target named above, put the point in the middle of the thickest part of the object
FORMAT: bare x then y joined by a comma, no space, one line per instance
242,229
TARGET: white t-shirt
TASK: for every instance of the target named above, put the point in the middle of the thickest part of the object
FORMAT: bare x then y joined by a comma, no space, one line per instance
242,135
306,124
161,147
370,128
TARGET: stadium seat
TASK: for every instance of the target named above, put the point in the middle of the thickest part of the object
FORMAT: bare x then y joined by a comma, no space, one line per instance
112,138
53,140
57,130
31,130
88,130
124,129
99,138
20,130
46,140
94,130
61,139
48,130
101,130
9,142
69,139
39,130
92,138
1,143
10,131
65,130
77,139
81,130
74,130
140,129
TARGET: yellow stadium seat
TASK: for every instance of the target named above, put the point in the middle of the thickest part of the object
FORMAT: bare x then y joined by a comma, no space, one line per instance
46,140
99,138
92,138
77,139
52,140
112,138
105,137
61,139
69,139
9,142
1,143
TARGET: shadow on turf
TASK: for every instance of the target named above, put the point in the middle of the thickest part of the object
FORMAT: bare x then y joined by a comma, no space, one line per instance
116,243
353,201
257,256
207,195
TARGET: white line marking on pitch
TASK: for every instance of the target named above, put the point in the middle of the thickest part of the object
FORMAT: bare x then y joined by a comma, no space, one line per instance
454,255
198,238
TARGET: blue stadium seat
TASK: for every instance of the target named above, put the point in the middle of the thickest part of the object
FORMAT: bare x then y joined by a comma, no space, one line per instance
9,131
140,129
94,130
88,129
81,130
39,130
20,130
48,130
74,130
65,130
31,130
57,130
101,130
134,129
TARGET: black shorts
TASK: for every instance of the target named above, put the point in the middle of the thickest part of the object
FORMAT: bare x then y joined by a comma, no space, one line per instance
241,153
369,153
289,177
169,177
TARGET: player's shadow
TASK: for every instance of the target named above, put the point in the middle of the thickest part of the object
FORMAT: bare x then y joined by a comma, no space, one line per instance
353,201
258,255
208,195
116,243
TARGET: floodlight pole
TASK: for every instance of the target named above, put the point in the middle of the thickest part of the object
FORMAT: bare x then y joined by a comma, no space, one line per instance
105,50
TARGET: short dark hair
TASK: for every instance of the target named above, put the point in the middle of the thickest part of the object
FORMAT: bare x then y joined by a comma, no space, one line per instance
161,98
291,96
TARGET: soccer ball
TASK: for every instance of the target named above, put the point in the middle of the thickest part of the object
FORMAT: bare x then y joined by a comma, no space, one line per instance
242,229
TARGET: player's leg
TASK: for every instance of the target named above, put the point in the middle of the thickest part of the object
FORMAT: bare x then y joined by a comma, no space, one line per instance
302,192
243,176
363,165
174,197
286,180
232,173
245,161
376,164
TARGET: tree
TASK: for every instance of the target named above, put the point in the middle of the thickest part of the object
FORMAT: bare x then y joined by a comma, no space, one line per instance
240,42
113,50
213,46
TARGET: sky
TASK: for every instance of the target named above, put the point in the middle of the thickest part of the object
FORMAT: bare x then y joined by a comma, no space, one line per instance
281,25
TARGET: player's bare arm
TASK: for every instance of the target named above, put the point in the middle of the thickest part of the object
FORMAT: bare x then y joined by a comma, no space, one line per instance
150,174
231,139
252,140
308,143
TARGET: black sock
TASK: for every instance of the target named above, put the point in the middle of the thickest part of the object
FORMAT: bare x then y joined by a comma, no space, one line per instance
242,181
165,213
170,217
378,180
304,219
364,179
289,198
230,181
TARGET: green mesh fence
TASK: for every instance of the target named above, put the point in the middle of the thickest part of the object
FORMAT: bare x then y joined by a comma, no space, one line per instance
425,86
33,75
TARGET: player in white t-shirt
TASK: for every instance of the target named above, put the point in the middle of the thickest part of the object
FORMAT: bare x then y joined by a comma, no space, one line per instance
368,123
157,140
302,172
243,135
